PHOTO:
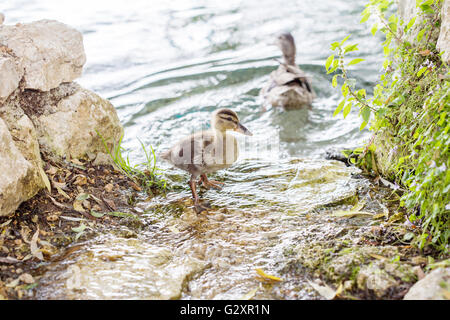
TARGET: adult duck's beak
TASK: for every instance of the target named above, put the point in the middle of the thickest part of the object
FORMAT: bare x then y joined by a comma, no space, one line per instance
243,130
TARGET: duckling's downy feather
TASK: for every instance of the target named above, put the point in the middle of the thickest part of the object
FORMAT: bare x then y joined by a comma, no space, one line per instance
204,152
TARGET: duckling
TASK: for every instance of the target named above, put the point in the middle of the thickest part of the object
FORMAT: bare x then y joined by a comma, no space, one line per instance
289,86
208,151
2,18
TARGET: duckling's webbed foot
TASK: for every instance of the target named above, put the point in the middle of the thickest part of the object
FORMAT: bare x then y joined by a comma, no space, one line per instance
198,207
210,183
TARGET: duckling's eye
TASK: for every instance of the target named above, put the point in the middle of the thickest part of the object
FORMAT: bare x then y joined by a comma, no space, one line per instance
230,119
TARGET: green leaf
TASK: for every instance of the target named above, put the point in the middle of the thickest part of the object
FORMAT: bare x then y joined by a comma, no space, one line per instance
347,109
361,93
420,35
410,24
374,29
365,18
426,8
334,81
339,108
393,26
363,125
334,45
344,89
329,61
365,113
421,71
122,215
79,228
79,235
334,67
82,196
355,61
345,39
97,214
351,47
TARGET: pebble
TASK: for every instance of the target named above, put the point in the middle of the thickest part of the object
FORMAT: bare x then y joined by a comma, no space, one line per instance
26,278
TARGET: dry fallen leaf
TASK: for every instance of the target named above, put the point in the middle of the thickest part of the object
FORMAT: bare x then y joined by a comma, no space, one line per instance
135,186
377,256
13,283
45,179
34,247
425,52
77,162
86,204
267,276
52,218
110,204
77,206
61,192
52,171
109,187
80,180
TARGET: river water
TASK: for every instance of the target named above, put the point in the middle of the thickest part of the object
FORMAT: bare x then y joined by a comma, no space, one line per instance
166,65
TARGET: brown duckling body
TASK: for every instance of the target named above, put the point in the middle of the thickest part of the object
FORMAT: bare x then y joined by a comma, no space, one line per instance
208,151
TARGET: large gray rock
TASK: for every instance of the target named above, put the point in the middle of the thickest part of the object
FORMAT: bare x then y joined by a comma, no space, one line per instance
432,287
15,184
68,127
10,75
49,51
25,139
443,44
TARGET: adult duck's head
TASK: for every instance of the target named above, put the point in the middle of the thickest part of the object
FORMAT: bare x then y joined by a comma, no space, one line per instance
226,119
285,41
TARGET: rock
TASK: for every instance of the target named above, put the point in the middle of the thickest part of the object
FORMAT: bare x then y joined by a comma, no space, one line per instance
433,287
16,174
376,279
443,43
68,127
50,52
25,138
102,159
10,75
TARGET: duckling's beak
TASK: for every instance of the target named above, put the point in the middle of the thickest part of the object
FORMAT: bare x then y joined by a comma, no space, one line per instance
243,130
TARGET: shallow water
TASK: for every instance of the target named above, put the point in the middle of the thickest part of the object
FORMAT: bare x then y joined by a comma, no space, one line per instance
166,66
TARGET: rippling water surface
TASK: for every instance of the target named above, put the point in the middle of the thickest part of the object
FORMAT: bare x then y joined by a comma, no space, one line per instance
166,65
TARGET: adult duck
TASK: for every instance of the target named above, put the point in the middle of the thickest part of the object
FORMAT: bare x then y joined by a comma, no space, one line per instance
288,86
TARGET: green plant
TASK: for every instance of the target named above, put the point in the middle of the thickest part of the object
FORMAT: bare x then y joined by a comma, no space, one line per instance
145,174
410,108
